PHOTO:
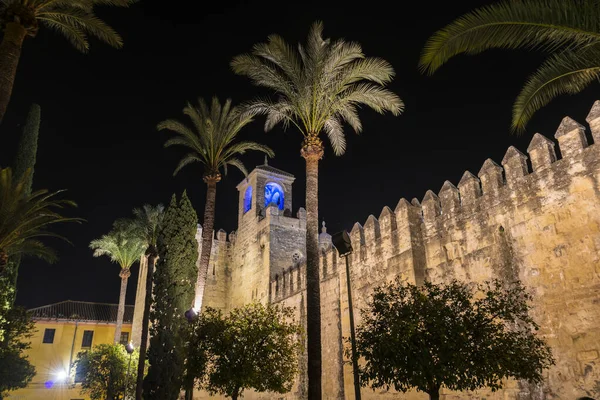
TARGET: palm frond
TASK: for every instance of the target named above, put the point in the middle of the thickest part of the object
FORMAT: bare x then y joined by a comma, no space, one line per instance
377,98
335,133
188,159
535,24
24,218
235,162
73,34
567,72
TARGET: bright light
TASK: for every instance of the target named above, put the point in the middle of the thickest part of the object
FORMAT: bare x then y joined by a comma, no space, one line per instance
61,375
129,348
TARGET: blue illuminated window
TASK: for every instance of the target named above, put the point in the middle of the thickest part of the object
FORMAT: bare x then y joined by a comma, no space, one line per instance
248,199
274,195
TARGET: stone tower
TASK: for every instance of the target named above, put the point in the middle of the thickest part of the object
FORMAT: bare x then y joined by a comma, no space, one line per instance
268,239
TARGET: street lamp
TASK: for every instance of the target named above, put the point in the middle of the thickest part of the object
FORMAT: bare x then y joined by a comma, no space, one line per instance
129,349
342,243
191,314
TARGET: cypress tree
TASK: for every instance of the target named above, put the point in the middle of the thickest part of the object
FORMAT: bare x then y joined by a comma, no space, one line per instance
25,159
27,151
173,294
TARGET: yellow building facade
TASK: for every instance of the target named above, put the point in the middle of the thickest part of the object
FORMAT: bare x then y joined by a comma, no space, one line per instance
62,330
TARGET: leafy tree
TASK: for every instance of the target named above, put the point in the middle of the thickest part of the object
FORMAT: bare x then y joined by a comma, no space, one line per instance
320,86
25,159
15,330
568,30
74,19
105,371
254,347
173,294
25,218
212,142
123,246
148,221
454,336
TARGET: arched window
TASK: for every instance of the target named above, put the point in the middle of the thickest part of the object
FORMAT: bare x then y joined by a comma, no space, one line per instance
248,199
274,195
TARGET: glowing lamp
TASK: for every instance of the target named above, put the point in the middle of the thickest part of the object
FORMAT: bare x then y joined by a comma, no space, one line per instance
61,375
191,314
129,348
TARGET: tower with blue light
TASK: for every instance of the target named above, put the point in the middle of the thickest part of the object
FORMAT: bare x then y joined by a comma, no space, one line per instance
270,238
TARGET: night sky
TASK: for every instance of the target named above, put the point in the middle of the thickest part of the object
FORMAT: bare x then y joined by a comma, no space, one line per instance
98,137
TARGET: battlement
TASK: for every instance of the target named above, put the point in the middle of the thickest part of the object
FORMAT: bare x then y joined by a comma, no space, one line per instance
381,242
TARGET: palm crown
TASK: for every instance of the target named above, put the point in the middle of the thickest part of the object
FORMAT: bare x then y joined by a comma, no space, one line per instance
123,245
25,218
74,19
320,85
568,30
212,140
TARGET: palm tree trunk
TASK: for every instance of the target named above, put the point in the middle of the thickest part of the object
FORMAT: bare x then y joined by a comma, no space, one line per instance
152,254
10,53
121,311
312,151
207,237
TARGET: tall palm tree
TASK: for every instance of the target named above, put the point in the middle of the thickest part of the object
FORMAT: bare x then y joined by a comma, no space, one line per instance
568,30
74,19
25,218
320,85
212,142
123,246
147,221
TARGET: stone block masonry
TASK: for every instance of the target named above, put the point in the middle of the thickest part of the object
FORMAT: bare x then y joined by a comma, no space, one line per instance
540,225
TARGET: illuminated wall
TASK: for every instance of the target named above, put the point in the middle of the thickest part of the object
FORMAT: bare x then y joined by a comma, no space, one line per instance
50,359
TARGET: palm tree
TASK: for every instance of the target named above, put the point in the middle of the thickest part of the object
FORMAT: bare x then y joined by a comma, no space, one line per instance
212,143
568,30
25,218
124,246
320,86
74,19
147,221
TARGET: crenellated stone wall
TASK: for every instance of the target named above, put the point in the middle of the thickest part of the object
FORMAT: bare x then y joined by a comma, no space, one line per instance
540,224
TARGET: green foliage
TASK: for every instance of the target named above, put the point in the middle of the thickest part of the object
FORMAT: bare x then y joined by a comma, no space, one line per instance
319,85
212,140
74,19
123,245
25,218
173,294
254,347
27,151
106,371
16,328
457,336
568,30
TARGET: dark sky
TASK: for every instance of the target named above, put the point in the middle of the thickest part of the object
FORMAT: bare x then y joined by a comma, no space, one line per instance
99,112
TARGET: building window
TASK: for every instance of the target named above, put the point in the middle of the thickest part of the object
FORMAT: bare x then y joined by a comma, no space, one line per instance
124,338
49,335
88,336
248,199
274,195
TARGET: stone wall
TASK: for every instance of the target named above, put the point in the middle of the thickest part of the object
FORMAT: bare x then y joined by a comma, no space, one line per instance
534,217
